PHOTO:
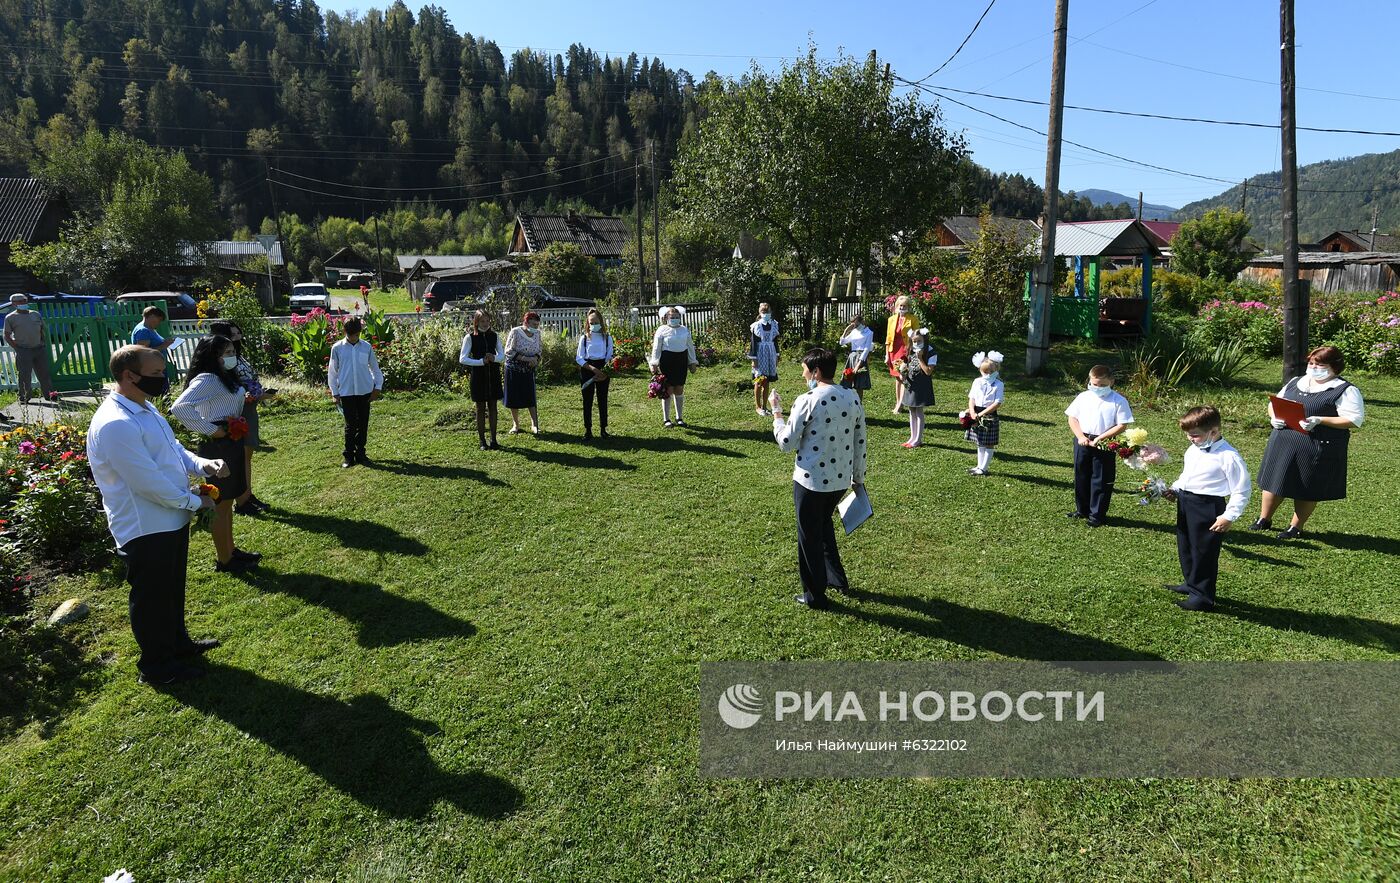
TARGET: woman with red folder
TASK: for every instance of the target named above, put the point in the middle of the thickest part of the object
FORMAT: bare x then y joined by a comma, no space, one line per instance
1310,465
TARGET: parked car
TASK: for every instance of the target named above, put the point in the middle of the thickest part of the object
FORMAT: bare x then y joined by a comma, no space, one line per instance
178,304
88,302
307,296
441,292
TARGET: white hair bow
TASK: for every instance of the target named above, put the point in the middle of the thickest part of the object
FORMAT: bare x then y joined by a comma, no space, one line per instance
680,311
989,356
923,331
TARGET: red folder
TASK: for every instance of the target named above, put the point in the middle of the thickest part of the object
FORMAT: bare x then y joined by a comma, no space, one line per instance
1289,412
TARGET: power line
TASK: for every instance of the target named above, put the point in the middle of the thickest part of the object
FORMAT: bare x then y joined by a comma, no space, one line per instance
975,26
451,199
451,186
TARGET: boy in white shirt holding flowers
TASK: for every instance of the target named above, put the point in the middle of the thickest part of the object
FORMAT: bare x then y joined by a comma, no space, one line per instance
1210,496
1096,415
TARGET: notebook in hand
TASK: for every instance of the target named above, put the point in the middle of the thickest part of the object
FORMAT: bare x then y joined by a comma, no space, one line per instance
1289,412
854,509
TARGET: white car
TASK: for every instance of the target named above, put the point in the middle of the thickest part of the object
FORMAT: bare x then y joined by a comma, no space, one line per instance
308,296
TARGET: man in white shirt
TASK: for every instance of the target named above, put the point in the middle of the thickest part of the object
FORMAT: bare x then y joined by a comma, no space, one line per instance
1097,414
1210,496
355,381
144,476
827,432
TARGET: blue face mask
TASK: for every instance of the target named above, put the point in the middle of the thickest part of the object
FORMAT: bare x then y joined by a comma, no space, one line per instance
595,327
991,378
812,384
1102,392
1205,445
674,323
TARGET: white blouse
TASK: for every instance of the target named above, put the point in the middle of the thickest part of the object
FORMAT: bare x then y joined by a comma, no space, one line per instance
826,430
205,400
1217,472
985,393
672,340
1349,407
520,343
860,339
594,346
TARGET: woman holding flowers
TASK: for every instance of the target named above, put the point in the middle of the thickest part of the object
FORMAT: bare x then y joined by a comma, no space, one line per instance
1310,466
482,354
672,356
212,406
595,353
247,503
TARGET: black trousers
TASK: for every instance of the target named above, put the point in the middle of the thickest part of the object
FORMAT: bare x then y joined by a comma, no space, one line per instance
155,568
1094,473
818,558
356,410
601,389
1197,545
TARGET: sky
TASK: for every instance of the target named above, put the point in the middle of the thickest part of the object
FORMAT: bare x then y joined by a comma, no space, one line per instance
1216,59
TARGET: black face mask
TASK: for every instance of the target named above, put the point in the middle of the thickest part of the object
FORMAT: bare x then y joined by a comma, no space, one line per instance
155,386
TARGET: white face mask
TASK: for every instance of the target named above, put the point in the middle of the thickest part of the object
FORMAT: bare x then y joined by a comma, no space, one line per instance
595,327
1319,372
1102,392
918,347
1205,443
904,311
230,362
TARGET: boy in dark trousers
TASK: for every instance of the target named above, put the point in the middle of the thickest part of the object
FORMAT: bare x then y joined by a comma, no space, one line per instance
1210,495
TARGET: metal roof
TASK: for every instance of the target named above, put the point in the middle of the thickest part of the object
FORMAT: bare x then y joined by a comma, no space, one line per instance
599,236
22,205
499,265
439,261
1327,258
966,228
1100,238
222,250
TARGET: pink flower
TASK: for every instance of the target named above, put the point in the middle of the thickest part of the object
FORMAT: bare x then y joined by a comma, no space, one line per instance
27,447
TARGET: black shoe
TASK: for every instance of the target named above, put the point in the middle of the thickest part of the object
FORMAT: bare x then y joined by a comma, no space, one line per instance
200,646
1094,522
173,675
485,446
248,508
1075,515
234,565
241,555
1261,524
588,435
812,604
603,433
495,445
1196,603
1179,588
1291,533
680,422
668,424
363,460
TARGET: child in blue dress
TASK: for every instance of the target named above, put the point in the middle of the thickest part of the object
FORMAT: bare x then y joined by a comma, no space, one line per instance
763,352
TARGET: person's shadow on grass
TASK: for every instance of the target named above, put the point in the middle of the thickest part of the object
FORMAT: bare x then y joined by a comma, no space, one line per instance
353,533
435,470
573,461
1362,632
363,747
384,619
987,629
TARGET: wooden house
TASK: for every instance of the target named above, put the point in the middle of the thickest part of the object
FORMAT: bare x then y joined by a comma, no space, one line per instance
601,237
28,214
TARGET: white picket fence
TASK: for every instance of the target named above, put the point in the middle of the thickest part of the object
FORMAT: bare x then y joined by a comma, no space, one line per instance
569,321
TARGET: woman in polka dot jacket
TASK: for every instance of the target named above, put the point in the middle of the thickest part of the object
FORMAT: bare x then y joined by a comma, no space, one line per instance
826,431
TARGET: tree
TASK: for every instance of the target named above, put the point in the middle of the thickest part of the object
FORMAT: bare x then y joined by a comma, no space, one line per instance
1212,246
821,160
136,209
562,264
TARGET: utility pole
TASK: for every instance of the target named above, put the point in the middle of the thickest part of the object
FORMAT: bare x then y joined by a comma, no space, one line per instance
1244,193
1038,330
378,254
1375,216
637,209
277,222
655,220
1295,293
1139,205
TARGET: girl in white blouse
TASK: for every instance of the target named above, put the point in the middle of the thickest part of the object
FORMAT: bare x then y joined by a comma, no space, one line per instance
983,404
212,396
672,356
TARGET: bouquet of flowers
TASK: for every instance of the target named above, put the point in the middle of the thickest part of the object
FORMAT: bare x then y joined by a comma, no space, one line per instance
967,422
848,373
657,386
1149,455
235,427
1150,490
1127,445
205,519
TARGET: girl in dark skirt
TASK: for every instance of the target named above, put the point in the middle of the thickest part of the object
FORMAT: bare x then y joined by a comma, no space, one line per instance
482,354
983,402
861,340
672,356
917,372
1310,467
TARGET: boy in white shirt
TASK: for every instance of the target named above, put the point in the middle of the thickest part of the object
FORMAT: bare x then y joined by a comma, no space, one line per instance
1097,414
355,380
1210,495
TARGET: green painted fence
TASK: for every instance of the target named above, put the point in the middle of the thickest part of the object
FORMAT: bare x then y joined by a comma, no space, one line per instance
83,336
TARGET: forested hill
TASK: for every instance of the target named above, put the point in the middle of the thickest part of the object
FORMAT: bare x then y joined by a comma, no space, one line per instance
1333,195
340,105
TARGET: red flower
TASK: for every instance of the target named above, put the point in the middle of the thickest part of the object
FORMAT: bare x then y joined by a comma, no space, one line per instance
1124,452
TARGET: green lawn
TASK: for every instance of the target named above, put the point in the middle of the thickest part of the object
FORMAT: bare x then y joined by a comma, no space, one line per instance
394,300
484,665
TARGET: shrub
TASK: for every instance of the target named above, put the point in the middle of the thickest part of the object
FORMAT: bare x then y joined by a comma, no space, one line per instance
1175,291
739,287
420,354
926,296
51,494
313,334
1256,325
237,303
1164,363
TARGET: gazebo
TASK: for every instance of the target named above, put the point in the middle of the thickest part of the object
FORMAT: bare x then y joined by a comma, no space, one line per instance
1089,244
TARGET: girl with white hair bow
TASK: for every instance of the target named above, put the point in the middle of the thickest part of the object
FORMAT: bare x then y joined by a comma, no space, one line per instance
672,356
983,402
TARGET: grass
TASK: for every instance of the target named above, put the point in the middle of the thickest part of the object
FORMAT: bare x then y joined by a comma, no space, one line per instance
394,300
469,665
